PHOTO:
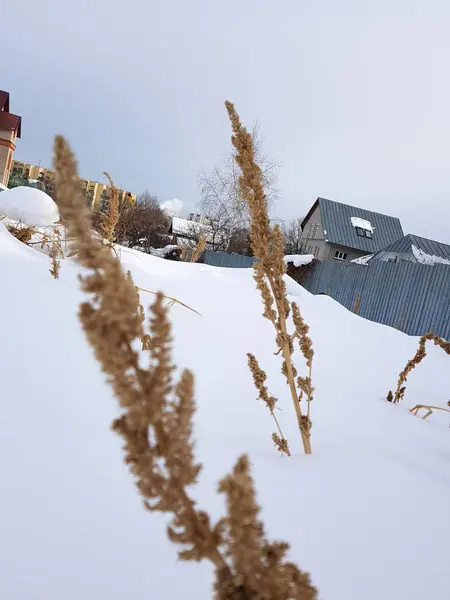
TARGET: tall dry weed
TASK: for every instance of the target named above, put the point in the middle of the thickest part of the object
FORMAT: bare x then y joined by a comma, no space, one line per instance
268,247
199,248
111,217
156,423
417,359
56,252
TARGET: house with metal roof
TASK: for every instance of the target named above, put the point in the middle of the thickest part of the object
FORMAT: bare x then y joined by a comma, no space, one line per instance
336,231
413,248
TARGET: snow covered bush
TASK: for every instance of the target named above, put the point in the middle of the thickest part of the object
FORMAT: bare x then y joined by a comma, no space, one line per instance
156,422
29,205
268,247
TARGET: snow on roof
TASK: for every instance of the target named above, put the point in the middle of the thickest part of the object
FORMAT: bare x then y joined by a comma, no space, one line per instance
362,260
362,223
428,259
299,260
190,229
29,205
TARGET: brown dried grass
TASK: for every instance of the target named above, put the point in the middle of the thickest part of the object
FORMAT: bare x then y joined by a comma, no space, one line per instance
156,423
417,359
111,217
268,247
22,233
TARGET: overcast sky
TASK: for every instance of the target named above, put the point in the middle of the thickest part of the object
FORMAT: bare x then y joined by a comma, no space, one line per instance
353,97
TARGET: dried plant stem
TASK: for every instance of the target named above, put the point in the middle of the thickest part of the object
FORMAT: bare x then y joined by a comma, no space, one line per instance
200,247
172,300
111,217
259,379
418,358
428,408
201,529
303,424
268,247
157,421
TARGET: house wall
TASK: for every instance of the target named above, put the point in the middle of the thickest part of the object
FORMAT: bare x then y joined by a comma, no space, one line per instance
313,237
314,241
351,252
7,147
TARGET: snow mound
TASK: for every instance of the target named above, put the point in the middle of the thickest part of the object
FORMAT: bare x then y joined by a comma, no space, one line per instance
366,514
428,259
299,260
163,252
29,205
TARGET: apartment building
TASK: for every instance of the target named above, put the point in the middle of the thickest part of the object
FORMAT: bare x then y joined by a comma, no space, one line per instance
95,192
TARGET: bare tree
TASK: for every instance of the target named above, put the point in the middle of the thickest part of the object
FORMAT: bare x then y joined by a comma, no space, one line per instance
292,231
144,223
221,199
240,242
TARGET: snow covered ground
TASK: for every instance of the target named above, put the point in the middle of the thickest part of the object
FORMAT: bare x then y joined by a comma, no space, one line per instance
367,514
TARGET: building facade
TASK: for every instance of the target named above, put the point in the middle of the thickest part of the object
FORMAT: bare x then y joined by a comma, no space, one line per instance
96,192
335,231
10,130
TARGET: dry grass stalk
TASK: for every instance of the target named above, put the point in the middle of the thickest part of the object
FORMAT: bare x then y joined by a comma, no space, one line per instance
111,217
55,253
418,358
172,301
146,340
23,234
429,409
156,424
268,247
200,247
184,252
259,379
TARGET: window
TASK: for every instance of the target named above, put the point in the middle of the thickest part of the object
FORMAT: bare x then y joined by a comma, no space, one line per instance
316,251
315,230
311,225
340,255
360,231
368,234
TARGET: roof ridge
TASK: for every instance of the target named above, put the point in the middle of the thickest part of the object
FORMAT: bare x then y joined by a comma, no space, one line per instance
375,212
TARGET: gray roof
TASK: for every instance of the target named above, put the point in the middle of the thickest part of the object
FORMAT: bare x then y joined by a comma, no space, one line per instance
404,246
336,220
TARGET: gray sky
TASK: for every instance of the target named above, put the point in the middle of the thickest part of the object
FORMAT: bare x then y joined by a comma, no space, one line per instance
353,97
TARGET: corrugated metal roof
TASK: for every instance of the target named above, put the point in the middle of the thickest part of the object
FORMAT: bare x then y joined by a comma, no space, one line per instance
403,246
336,219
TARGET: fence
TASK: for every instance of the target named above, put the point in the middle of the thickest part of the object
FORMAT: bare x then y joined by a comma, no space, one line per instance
411,297
222,259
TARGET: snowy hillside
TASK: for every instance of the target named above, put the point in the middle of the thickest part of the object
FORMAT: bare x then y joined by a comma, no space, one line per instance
366,514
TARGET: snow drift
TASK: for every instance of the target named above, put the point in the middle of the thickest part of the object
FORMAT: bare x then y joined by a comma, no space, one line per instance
366,514
29,205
